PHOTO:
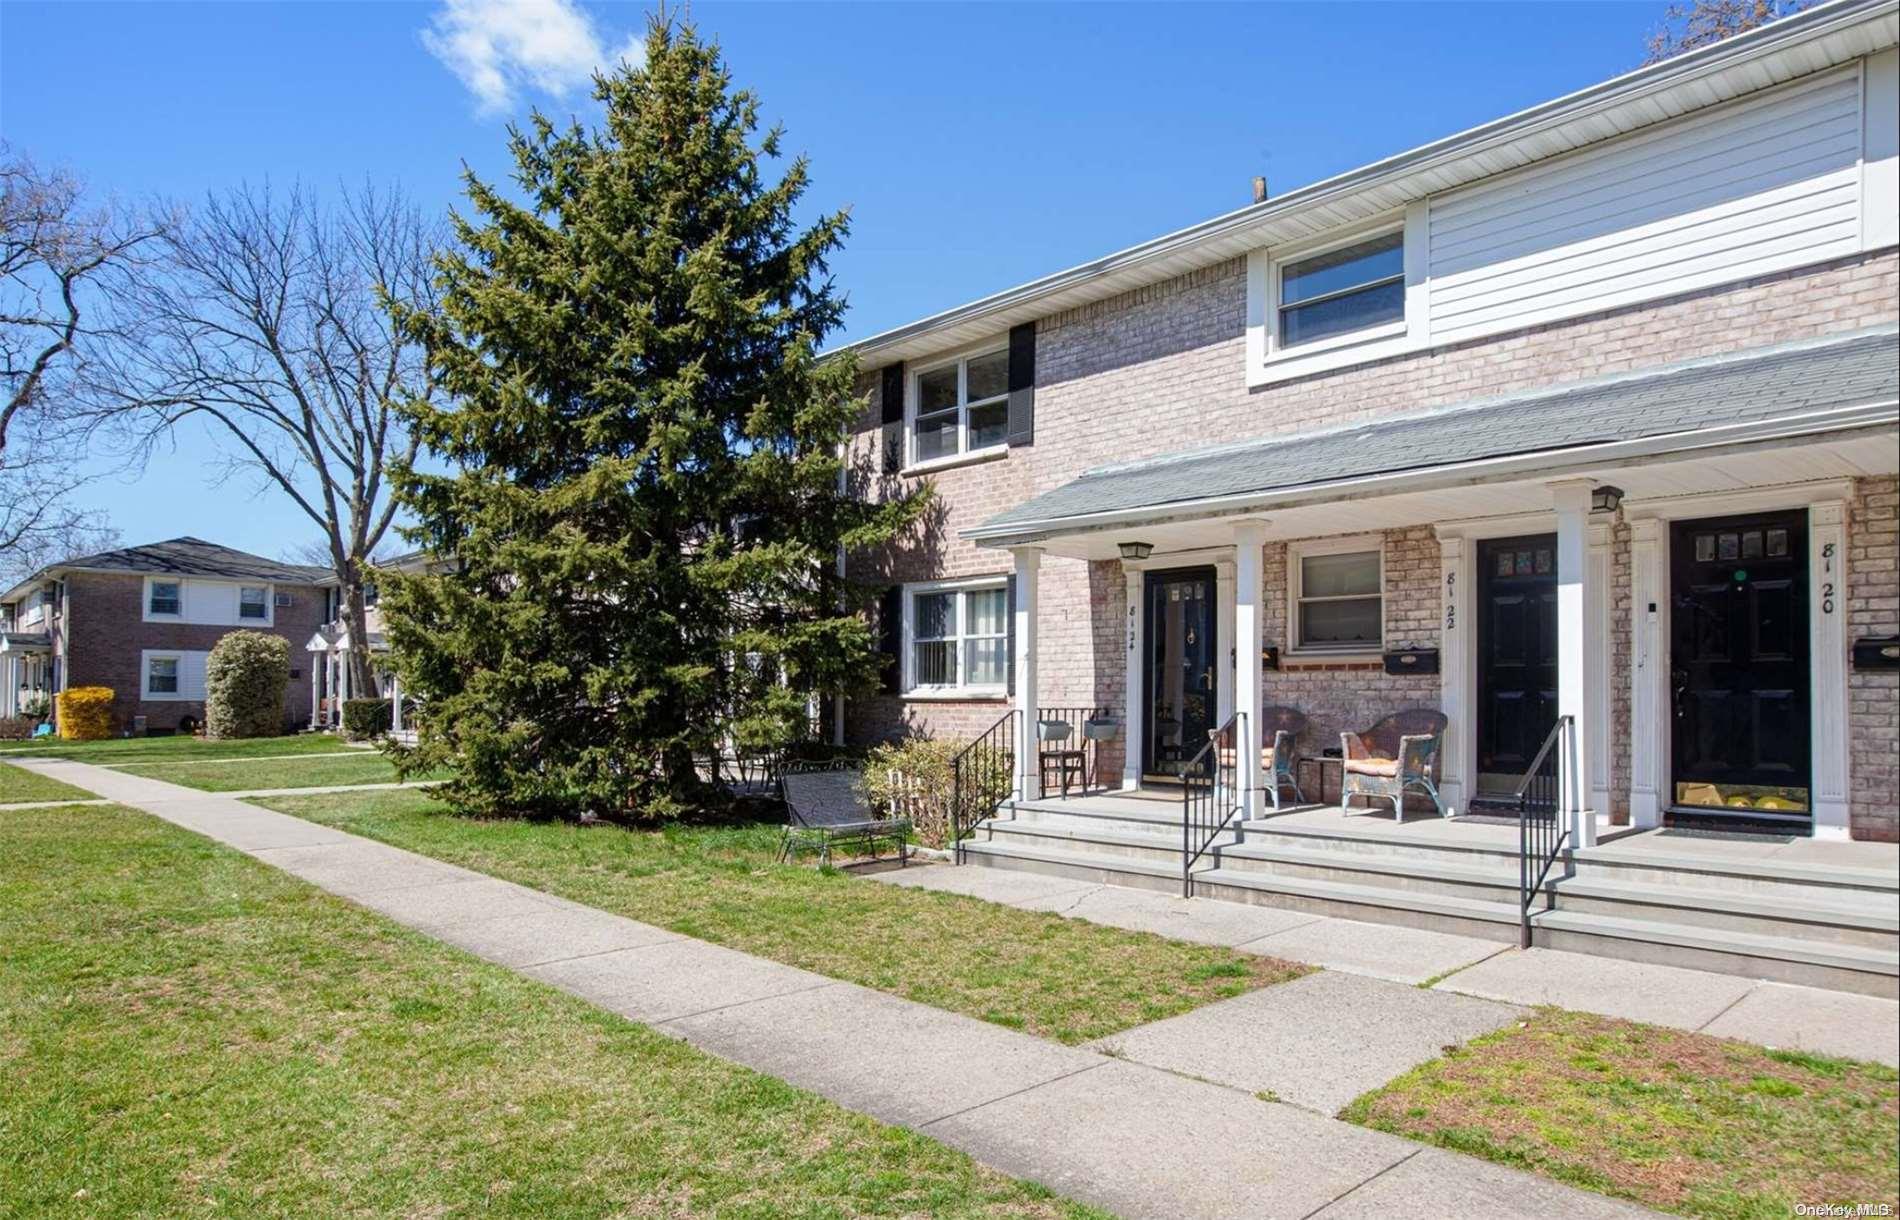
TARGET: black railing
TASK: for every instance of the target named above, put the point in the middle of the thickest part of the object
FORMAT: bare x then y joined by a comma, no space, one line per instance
1542,820
983,775
1210,794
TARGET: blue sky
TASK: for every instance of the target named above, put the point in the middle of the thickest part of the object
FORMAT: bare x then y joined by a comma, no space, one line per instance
977,146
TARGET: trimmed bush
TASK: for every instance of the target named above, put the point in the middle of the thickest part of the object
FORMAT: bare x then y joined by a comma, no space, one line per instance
85,713
365,718
913,778
245,678
17,728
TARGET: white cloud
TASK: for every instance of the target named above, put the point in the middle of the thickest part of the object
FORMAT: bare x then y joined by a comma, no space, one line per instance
500,47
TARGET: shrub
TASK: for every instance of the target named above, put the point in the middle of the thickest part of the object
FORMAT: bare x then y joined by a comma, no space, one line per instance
85,713
245,678
17,728
914,778
36,706
364,718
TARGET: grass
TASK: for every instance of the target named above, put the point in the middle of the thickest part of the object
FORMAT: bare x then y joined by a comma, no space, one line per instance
1058,978
217,775
117,750
18,784
189,1032
1677,1121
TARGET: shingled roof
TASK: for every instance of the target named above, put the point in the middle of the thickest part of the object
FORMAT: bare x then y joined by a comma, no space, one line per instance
194,557
1766,384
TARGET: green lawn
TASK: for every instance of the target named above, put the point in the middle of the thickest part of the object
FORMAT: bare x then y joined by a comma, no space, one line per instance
218,776
18,784
1677,1121
1058,978
154,749
190,1032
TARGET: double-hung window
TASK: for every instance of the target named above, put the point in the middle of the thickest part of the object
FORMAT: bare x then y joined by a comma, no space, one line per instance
959,639
1338,292
163,598
961,407
161,675
253,602
1338,596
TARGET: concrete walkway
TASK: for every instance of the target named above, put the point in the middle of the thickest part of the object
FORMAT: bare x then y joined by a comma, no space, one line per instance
1771,1014
1130,1137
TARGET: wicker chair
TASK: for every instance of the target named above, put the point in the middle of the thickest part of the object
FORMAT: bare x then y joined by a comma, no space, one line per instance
1280,728
824,804
1396,754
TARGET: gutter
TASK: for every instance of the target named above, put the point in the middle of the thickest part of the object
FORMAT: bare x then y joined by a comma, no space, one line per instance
1866,416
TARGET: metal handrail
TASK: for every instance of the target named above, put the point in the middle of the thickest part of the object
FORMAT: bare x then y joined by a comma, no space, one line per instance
982,774
1543,831
1209,798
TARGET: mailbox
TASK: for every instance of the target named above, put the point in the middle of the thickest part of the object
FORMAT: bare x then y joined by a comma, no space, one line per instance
1877,652
1412,661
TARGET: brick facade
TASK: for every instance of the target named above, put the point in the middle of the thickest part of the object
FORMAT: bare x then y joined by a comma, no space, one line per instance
106,632
1873,608
1162,369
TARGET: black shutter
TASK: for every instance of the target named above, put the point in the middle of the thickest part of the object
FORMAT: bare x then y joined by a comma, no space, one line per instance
1022,384
1009,630
890,638
891,399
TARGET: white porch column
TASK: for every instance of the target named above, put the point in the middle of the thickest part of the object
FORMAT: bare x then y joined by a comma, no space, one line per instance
319,663
10,693
1453,652
1828,650
395,702
1225,641
1028,576
1135,715
1571,498
1649,671
1250,538
1596,691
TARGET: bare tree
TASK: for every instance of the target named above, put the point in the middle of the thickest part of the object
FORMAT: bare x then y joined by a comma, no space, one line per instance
264,319
1699,23
60,265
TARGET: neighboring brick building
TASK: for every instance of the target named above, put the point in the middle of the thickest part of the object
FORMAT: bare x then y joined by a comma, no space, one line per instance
1685,278
141,620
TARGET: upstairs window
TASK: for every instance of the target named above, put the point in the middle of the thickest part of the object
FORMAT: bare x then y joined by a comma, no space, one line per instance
1339,603
962,407
959,639
1353,288
253,602
164,598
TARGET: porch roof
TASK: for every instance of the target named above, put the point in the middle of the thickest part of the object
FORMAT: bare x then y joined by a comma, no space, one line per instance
1789,390
25,641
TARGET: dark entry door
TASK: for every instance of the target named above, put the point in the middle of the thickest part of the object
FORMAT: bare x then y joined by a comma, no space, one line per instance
1517,656
1739,663
1181,667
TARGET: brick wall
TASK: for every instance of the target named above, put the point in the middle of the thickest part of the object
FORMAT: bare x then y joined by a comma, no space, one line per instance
1161,370
1873,608
107,631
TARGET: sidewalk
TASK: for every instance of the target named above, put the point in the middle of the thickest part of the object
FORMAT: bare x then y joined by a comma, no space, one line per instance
1127,1136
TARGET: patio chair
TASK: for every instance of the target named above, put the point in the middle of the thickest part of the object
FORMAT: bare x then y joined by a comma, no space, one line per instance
1280,728
748,774
825,805
1394,755
1053,751
1096,732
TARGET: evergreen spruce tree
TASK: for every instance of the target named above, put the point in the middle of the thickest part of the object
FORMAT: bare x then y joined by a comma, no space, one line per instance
642,505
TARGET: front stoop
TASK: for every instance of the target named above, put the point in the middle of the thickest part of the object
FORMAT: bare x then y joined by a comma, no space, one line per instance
1808,924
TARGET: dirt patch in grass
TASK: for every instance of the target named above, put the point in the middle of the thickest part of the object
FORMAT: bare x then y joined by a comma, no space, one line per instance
1678,1121
186,1031
1057,978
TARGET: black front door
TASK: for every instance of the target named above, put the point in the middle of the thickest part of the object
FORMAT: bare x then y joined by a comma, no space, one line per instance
1517,657
1739,663
1181,667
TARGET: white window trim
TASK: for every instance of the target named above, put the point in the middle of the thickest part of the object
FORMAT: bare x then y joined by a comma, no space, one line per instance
146,693
1300,550
270,606
145,603
913,399
911,688
1268,361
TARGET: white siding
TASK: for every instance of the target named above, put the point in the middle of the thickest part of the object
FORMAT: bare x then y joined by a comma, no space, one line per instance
191,676
210,603
1748,189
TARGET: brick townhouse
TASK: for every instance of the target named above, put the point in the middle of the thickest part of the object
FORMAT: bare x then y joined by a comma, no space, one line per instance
1583,417
142,619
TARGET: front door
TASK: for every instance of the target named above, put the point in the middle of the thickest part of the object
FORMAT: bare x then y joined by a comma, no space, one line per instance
1181,667
1517,657
1739,664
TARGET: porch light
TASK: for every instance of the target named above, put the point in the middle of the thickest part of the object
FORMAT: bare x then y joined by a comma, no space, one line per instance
1136,550
1606,499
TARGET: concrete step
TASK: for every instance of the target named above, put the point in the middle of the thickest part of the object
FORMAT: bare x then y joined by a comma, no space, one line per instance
1820,917
1368,903
1328,862
1122,814
1769,878
1053,861
1102,838
1779,958
1356,835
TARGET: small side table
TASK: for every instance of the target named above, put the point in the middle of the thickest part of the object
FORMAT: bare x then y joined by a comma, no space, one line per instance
1321,765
